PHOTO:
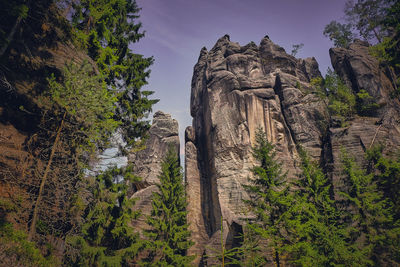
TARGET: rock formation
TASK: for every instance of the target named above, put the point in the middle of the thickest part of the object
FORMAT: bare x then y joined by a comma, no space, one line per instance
237,89
361,71
162,134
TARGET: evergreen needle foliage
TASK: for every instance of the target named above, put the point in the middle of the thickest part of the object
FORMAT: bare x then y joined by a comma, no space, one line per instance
317,236
106,30
85,98
270,197
107,238
169,237
375,194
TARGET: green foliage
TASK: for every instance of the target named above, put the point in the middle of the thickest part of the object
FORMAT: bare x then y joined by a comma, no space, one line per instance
251,250
107,29
168,234
340,34
17,250
377,21
85,98
296,49
370,213
391,23
298,85
317,237
366,105
387,50
342,101
387,176
107,238
318,87
367,17
270,197
226,256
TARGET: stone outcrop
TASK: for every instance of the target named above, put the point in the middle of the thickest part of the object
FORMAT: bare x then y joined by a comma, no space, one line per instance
361,71
162,134
237,89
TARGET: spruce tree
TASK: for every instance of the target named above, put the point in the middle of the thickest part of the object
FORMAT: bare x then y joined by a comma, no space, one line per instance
386,173
270,198
317,237
107,30
168,234
106,238
369,211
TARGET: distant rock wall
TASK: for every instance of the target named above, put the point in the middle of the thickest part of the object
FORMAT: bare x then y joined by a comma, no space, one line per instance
237,89
162,134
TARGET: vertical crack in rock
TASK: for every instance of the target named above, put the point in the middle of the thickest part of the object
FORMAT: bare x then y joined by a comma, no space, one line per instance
279,92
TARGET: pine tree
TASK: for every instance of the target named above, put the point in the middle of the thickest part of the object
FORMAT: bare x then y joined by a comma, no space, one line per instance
106,30
169,234
317,238
369,211
386,173
106,238
84,119
270,197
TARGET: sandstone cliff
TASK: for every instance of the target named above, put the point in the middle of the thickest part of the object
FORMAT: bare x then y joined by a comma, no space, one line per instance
237,89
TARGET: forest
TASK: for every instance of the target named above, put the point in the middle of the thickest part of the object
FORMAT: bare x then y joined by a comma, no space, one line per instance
71,81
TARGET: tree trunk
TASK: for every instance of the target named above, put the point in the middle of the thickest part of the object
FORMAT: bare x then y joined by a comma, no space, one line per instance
393,77
277,259
10,36
42,183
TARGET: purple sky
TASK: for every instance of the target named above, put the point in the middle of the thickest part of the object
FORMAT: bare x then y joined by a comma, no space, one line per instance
176,30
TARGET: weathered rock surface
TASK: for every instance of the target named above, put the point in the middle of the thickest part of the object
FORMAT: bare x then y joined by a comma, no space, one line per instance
235,90
162,134
361,71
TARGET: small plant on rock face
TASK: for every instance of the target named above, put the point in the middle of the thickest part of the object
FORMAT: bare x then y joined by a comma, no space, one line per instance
341,98
298,85
296,49
366,105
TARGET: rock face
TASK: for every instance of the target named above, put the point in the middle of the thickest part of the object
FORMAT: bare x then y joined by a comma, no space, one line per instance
361,71
237,89
163,133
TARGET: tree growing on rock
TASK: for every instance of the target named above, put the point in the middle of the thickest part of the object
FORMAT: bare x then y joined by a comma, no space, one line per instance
339,33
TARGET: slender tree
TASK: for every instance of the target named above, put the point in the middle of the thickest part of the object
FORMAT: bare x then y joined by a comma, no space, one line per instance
85,117
168,234
270,198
